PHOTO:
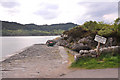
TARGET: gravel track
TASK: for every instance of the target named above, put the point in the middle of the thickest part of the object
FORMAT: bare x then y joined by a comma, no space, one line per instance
38,61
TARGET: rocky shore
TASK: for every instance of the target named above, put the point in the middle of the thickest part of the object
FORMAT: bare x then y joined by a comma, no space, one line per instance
38,61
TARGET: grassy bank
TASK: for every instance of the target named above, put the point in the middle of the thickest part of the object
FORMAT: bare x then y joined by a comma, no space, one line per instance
106,60
70,57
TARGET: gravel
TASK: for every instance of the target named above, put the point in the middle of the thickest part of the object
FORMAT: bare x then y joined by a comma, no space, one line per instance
37,61
37,50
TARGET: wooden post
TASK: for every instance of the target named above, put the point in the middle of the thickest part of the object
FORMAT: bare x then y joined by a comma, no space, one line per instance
99,39
98,47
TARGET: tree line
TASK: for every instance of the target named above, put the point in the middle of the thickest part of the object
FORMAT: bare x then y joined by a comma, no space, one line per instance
17,29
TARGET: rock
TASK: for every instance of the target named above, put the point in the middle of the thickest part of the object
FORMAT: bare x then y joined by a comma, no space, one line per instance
86,52
76,57
111,42
114,43
57,39
70,39
68,45
78,47
88,41
62,43
93,52
85,40
94,56
81,52
86,55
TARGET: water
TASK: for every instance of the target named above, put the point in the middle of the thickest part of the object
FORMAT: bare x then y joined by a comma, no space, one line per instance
11,45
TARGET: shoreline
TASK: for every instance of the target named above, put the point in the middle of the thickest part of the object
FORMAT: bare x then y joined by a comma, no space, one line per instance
15,53
19,52
16,49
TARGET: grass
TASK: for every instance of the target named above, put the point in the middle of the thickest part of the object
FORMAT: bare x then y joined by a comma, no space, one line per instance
70,57
106,60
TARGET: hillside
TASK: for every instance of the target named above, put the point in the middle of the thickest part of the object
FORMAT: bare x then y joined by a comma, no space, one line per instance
82,36
17,29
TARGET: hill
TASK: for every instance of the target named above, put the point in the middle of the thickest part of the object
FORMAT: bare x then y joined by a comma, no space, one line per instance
17,29
82,37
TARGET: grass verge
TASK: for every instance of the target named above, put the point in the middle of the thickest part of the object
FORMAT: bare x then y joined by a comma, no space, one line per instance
70,57
106,60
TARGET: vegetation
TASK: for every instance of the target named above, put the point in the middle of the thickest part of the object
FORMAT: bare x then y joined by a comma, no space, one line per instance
21,32
70,57
91,28
16,29
106,60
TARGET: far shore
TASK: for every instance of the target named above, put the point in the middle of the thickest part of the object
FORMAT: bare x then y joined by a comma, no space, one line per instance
28,35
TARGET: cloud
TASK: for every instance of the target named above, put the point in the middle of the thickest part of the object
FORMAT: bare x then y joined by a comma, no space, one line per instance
100,11
119,9
8,3
47,14
57,11
48,11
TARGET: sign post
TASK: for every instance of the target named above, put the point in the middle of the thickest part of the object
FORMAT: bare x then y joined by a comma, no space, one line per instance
99,39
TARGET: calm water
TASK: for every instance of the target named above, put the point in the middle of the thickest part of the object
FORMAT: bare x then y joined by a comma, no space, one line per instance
11,45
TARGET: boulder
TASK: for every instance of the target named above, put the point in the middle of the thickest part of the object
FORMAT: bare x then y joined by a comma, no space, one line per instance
86,52
93,52
81,52
88,41
57,39
78,47
111,42
86,55
76,57
62,43
68,45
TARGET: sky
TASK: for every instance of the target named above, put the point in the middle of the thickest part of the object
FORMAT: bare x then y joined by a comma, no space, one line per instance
58,11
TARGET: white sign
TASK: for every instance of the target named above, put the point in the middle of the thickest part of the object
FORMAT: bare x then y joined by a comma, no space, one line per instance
100,39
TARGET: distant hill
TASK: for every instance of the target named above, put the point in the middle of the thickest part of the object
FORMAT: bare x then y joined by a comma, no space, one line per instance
17,29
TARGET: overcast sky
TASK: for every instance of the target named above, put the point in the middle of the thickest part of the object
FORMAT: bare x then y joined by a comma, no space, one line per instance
58,11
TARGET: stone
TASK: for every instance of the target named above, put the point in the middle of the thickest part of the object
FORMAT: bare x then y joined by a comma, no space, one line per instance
62,43
94,56
78,47
93,52
70,39
86,52
85,55
76,57
81,52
